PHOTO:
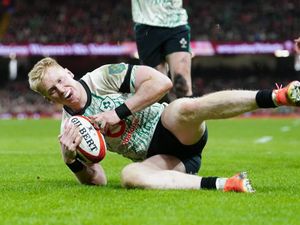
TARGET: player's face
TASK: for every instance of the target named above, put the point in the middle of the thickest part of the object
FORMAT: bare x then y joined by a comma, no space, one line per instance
60,87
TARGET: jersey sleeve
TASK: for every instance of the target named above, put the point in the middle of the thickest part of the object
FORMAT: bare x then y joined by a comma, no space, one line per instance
111,79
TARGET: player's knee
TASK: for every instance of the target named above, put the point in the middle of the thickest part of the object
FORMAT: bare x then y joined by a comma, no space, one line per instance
126,176
132,176
186,110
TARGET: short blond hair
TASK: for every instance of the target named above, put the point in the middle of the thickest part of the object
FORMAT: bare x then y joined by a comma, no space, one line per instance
37,73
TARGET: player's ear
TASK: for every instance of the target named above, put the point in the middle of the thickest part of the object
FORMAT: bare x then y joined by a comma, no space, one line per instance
69,72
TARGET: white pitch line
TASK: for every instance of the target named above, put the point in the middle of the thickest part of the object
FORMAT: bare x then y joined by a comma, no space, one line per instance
264,139
285,129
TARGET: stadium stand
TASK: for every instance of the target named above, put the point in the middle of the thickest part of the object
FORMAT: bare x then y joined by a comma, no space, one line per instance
244,20
69,21
110,21
18,102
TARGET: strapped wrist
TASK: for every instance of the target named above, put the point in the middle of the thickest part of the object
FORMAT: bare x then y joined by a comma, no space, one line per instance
123,111
76,166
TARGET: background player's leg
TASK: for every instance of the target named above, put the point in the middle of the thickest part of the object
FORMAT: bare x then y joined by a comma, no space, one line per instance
180,67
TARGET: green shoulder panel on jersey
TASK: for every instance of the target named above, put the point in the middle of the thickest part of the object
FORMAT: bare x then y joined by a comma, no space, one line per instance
116,68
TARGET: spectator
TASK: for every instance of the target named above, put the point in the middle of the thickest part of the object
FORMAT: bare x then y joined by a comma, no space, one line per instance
96,21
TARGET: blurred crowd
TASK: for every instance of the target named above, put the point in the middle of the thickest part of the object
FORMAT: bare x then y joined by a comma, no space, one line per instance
110,21
242,20
69,21
18,101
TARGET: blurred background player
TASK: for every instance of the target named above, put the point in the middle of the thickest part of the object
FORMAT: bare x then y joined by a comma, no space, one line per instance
163,40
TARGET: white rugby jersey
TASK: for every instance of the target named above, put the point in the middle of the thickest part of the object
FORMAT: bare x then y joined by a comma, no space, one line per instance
108,87
161,13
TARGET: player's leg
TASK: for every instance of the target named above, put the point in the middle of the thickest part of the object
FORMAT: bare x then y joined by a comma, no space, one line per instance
170,165
185,117
180,70
159,171
167,164
178,56
167,172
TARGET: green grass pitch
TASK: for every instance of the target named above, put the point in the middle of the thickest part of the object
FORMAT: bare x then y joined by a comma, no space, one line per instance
37,188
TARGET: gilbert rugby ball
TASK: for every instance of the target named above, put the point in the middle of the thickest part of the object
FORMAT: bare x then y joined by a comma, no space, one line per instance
92,147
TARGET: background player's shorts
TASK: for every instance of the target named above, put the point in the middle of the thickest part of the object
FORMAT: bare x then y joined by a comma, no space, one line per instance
164,142
154,43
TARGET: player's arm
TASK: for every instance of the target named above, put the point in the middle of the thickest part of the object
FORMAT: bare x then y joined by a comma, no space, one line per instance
147,85
92,174
150,86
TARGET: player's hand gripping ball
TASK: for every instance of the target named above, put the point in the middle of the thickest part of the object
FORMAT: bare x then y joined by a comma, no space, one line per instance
92,148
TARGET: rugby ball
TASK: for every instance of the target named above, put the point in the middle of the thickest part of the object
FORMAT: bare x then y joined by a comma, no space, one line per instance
92,148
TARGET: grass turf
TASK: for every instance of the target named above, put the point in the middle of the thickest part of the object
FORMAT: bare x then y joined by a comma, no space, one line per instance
36,187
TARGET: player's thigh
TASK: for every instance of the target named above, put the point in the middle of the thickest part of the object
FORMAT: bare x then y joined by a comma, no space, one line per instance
180,119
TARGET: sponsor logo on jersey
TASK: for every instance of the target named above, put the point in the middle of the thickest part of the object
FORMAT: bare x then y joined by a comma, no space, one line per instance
134,125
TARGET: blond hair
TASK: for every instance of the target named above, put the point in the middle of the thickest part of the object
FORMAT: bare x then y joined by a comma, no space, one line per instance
37,73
